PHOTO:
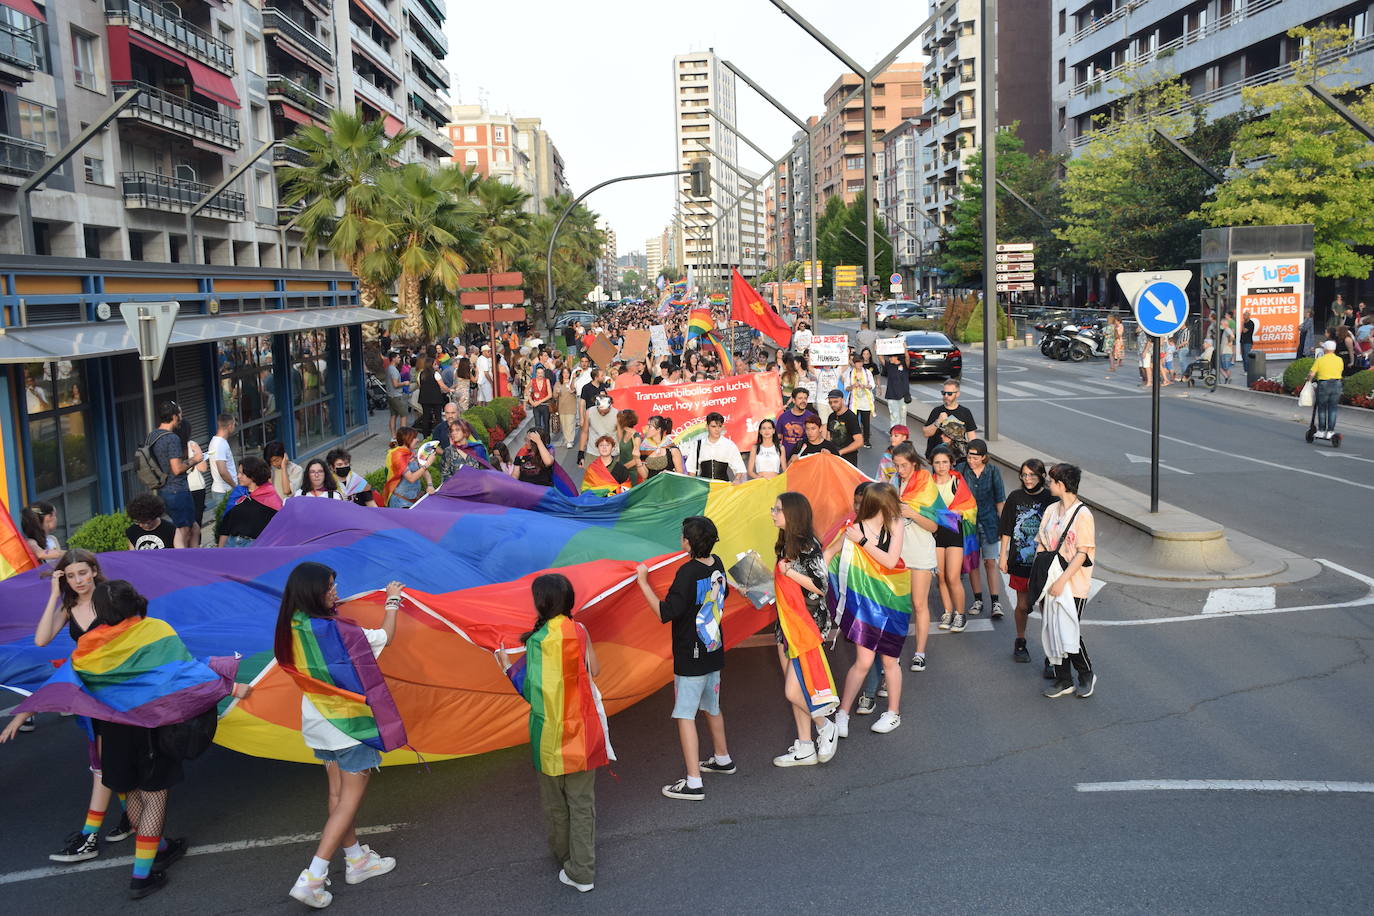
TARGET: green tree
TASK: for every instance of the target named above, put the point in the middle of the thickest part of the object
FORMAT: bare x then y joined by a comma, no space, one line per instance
632,282
835,245
670,274
575,254
1130,202
1309,166
339,186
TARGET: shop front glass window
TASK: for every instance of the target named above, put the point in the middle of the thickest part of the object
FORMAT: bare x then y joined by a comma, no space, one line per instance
60,452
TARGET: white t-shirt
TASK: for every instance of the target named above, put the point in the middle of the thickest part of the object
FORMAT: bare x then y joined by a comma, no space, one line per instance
318,732
483,367
220,451
195,480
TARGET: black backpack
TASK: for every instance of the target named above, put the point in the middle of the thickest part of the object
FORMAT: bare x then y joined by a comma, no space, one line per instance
188,740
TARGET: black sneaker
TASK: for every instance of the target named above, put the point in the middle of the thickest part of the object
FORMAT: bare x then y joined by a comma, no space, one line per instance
1059,689
1087,683
918,662
142,887
122,831
176,848
865,707
710,766
1019,653
680,789
1048,674
79,848
958,625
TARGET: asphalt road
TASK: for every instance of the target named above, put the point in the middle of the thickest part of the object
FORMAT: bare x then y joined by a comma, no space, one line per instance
972,805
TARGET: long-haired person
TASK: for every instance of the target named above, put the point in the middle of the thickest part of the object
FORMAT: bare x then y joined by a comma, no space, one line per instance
407,472
332,659
800,575
539,396
956,512
38,521
568,734
658,451
565,399
769,457
859,386
1069,529
871,591
1018,527
627,443
318,481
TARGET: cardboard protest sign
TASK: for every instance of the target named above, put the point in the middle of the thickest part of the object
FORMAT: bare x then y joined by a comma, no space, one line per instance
636,345
602,351
829,350
889,346
658,335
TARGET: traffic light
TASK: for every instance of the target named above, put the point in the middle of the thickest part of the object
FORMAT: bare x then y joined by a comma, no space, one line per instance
1221,284
701,177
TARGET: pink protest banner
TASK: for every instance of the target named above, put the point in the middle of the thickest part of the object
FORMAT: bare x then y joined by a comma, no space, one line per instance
743,400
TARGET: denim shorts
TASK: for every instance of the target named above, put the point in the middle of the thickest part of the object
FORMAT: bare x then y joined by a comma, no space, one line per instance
696,694
356,758
181,509
990,551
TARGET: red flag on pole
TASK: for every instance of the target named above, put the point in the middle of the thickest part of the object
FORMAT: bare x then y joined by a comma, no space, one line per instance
748,306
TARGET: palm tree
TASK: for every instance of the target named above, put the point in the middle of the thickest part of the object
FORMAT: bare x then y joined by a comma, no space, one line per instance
339,186
416,238
502,221
575,253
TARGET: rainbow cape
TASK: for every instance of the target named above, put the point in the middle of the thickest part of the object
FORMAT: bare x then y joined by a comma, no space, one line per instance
699,322
338,674
872,601
804,646
137,672
727,360
598,481
961,516
15,555
397,459
567,723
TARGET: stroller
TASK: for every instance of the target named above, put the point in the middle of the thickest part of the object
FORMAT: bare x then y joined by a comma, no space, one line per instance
376,393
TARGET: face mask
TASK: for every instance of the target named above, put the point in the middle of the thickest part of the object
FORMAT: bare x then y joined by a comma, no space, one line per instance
342,470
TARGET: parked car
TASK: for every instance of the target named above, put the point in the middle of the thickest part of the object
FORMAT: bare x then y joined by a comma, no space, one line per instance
568,318
888,309
931,353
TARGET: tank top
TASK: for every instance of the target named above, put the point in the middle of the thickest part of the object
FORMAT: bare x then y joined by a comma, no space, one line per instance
74,629
767,460
884,537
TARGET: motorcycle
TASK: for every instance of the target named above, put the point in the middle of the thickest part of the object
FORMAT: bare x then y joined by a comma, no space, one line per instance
1056,340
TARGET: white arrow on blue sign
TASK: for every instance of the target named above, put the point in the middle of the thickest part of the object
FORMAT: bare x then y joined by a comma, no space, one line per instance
1158,298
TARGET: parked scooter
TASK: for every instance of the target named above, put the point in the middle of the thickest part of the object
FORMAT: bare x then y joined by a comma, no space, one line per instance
1052,340
1085,343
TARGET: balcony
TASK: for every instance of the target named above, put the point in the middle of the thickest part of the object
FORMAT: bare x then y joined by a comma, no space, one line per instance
287,212
286,154
17,49
172,30
174,113
372,49
20,158
275,22
376,96
378,8
286,88
148,190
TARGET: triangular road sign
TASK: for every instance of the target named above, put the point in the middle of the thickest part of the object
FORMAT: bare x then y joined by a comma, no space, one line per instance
151,324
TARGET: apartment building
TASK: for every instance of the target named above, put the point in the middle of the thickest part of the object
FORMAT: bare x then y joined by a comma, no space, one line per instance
899,197
952,45
711,243
515,150
1217,46
607,272
214,83
755,252
546,163
897,95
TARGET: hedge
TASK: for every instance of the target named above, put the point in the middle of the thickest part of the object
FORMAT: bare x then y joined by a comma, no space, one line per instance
101,533
1359,385
972,329
1296,373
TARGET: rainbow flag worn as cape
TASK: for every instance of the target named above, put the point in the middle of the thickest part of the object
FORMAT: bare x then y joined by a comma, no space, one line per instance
338,674
872,601
727,360
137,672
397,460
597,479
699,322
961,516
804,646
568,731
15,554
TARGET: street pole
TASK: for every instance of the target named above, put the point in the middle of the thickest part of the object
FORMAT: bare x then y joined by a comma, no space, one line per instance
987,93
193,255
1154,425
869,259
145,363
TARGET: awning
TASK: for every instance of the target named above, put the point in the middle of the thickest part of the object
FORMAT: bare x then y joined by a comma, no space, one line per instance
291,113
385,27
153,47
110,338
393,125
212,83
26,7
306,59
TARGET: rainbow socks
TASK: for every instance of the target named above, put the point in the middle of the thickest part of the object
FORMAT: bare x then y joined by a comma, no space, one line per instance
145,850
94,819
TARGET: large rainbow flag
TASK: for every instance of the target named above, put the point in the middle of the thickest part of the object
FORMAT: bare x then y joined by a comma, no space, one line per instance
598,480
960,516
567,723
398,458
467,555
872,601
15,555
700,322
727,359
805,647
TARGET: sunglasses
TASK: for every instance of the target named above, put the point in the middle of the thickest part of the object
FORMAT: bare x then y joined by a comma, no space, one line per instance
950,394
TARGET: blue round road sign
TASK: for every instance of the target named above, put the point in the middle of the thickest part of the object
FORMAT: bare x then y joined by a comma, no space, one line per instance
1161,308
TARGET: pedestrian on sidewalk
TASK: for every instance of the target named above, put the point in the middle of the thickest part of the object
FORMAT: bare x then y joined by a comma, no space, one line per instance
954,508
990,493
333,660
1068,533
1018,527
916,487
897,388
568,734
694,605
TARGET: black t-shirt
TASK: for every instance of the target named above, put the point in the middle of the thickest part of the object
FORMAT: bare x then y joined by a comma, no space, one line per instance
1020,521
807,448
1247,332
960,413
247,519
532,468
591,391
844,428
160,538
693,605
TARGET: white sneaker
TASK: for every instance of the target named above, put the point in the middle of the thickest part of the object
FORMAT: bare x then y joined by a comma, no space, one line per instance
887,722
311,890
945,619
368,865
797,758
581,888
827,740
842,723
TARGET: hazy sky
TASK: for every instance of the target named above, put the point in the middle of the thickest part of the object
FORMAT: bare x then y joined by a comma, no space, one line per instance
599,73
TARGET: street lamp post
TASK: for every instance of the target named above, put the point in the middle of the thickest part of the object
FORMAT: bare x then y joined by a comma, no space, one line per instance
987,92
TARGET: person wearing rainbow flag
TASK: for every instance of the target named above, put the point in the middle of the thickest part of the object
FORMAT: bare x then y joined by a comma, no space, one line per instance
348,716
568,734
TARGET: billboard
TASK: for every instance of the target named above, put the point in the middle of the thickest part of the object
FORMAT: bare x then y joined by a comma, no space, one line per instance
1271,292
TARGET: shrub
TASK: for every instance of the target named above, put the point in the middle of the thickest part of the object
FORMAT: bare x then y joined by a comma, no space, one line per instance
913,324
972,329
956,315
376,479
1296,373
1359,385
1270,385
102,533
497,434
479,429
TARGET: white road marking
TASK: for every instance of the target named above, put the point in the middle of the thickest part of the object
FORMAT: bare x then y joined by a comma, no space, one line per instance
1141,459
1230,600
1330,454
973,625
1015,391
1226,785
1289,468
1048,389
209,849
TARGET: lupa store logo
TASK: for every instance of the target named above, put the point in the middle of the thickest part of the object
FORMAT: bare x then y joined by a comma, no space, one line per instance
1282,273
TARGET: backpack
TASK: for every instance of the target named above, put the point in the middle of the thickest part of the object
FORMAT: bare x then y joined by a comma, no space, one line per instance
146,466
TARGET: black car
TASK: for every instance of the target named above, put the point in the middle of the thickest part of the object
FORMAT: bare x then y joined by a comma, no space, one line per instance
932,353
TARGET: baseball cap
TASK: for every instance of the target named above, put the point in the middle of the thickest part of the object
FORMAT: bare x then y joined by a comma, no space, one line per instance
900,428
977,447
1329,344
835,393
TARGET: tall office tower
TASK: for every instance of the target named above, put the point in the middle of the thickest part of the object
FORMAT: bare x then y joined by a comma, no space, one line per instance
711,235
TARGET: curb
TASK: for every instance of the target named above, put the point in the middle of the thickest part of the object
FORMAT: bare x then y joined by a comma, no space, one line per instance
1285,404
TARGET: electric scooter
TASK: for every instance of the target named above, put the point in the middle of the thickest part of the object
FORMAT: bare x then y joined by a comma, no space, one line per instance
1311,436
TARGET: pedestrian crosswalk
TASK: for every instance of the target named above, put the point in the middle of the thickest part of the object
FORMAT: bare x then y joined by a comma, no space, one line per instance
1018,386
